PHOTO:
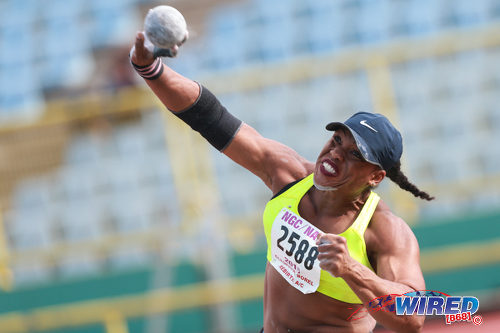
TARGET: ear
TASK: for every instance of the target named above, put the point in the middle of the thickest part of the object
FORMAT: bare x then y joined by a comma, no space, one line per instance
376,177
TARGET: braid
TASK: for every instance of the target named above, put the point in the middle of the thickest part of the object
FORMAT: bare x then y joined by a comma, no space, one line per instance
396,175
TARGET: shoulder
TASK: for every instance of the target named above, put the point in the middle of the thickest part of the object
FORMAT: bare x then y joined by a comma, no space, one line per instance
284,165
389,233
287,175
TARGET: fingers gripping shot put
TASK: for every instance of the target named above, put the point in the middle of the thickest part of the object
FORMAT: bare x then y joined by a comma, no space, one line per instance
166,30
333,244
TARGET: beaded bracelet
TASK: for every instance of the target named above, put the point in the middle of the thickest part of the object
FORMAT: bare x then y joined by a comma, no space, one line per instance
150,72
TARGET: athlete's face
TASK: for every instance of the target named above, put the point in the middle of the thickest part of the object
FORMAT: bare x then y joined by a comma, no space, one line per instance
341,163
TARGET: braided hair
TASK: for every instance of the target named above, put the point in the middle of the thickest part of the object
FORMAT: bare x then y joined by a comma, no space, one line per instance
396,175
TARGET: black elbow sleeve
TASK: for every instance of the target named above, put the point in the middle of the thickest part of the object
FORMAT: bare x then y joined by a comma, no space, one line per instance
208,117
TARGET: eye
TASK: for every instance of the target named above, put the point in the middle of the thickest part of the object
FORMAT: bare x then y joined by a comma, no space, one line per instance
357,154
337,139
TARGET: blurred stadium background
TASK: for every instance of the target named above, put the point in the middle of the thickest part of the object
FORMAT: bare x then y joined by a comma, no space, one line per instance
115,218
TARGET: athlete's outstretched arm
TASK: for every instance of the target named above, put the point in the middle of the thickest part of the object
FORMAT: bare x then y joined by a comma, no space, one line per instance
273,162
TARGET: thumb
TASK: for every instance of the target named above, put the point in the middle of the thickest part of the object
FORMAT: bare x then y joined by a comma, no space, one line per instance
322,239
139,39
140,54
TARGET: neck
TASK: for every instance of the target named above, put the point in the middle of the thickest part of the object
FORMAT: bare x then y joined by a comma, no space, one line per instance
334,202
324,188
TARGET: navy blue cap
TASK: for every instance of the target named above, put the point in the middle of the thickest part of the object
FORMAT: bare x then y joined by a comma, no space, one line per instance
378,140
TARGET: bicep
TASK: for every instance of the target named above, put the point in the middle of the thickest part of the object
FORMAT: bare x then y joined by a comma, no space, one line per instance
399,259
273,162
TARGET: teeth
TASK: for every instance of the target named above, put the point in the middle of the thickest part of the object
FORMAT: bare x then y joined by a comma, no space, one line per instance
328,167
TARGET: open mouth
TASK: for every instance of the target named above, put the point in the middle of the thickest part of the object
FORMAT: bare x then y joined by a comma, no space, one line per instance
328,168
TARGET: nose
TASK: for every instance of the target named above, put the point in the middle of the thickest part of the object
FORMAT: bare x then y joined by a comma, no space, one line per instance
336,154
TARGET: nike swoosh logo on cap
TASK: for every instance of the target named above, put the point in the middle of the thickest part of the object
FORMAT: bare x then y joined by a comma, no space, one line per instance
363,122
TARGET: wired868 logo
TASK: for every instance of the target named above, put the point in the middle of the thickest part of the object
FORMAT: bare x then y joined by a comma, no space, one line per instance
425,302
428,302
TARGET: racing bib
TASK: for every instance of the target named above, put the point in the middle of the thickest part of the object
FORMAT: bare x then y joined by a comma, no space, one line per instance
294,251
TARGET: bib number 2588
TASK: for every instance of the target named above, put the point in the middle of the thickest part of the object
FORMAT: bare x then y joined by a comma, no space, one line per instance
300,250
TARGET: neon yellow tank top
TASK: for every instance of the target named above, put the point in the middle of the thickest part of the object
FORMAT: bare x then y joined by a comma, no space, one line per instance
331,286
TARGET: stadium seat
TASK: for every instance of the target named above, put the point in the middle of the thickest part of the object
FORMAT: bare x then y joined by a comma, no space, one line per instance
29,229
31,273
112,23
81,221
131,211
54,9
414,84
325,27
123,176
20,95
17,43
82,150
227,39
464,12
31,194
127,257
78,265
373,20
77,183
417,17
130,142
63,36
18,13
